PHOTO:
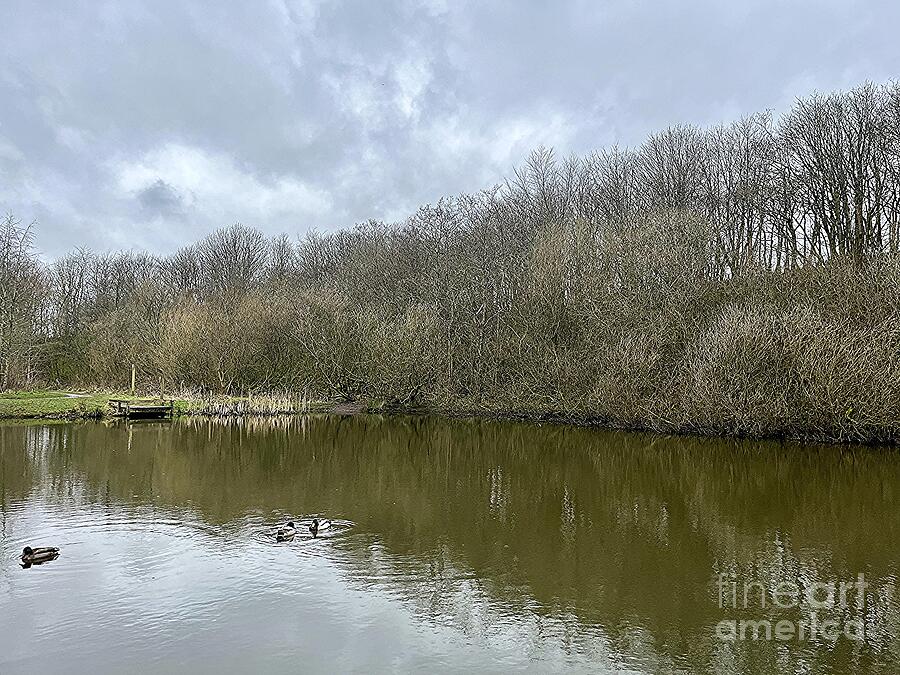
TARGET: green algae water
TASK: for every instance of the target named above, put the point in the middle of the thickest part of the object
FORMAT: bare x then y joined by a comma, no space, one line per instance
458,546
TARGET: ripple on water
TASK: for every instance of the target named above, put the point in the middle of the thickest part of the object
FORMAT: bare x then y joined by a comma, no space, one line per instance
142,544
338,528
141,541
141,572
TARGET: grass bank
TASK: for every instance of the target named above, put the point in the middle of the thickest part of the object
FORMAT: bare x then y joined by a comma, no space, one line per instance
52,404
63,404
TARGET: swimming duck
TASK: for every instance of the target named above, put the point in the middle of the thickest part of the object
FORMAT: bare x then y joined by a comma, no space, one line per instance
286,532
36,556
319,525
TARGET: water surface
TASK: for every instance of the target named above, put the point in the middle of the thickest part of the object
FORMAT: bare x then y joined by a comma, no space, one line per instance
466,546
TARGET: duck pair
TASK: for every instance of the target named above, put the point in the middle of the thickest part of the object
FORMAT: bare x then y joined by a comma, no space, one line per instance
287,531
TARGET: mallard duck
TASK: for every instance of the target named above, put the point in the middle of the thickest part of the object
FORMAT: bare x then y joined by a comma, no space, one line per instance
319,525
36,556
286,532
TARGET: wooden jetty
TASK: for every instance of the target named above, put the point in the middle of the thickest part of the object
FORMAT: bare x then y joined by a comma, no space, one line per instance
142,409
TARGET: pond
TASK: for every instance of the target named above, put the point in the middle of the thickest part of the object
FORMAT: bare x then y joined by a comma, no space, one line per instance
458,545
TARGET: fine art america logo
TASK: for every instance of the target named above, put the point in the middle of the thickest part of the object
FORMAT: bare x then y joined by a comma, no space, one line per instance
815,611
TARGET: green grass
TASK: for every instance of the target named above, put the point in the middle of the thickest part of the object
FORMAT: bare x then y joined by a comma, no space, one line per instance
62,404
50,404
28,395
27,404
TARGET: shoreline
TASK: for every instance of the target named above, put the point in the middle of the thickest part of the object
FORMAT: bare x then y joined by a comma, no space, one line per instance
93,405
600,423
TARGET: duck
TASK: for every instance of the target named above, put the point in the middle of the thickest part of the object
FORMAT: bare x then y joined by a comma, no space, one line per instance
286,532
36,556
319,525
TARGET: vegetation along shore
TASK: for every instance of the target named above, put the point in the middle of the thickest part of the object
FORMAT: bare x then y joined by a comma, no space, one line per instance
742,279
49,404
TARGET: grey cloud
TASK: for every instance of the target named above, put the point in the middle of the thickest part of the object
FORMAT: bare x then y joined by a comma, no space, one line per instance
290,115
161,199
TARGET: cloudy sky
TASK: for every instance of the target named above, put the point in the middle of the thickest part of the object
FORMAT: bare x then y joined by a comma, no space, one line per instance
145,125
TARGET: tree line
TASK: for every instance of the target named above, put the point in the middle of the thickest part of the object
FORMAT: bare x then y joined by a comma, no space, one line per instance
741,278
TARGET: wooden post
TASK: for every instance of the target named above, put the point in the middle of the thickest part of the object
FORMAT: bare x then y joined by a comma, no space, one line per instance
133,373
